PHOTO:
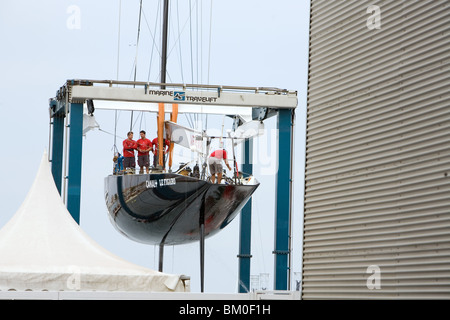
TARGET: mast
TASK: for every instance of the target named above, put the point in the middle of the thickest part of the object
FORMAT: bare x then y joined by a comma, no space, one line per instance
164,43
161,147
161,107
174,114
163,81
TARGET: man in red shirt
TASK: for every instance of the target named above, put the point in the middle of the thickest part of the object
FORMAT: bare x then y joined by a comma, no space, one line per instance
215,164
129,145
144,146
155,149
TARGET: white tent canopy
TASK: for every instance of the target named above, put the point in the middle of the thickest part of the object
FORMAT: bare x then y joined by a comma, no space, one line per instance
43,248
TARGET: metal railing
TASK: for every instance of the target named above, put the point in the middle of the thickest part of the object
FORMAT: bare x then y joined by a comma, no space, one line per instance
184,86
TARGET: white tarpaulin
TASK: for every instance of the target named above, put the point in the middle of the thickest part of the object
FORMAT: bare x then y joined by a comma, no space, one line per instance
89,123
43,248
248,130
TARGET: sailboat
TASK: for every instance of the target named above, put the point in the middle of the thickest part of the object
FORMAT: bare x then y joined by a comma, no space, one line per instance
170,208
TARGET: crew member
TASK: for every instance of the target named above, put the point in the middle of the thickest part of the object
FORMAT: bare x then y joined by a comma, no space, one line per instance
156,151
144,146
215,164
129,145
118,163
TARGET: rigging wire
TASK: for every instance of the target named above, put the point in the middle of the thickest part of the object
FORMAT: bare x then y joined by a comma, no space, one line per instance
111,134
178,40
210,39
136,57
196,34
209,50
179,44
196,55
209,54
261,246
154,46
117,75
191,55
190,37
118,41
198,47
137,40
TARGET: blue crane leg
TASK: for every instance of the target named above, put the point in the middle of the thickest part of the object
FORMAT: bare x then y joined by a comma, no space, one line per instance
75,160
245,226
283,200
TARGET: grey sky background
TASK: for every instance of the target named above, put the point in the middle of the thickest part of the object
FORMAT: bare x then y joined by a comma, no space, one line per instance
253,43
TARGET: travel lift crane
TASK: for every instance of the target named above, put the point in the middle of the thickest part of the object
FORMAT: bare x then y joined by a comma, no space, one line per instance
66,110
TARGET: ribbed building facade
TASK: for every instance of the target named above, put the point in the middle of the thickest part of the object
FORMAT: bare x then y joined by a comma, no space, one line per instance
377,175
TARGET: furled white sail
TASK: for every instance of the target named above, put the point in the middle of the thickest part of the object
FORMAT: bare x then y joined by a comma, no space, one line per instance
185,137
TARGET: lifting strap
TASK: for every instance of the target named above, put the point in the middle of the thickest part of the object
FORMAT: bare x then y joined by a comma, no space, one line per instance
173,118
161,144
161,132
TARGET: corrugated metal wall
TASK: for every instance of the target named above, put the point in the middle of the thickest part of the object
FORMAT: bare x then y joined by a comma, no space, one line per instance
377,189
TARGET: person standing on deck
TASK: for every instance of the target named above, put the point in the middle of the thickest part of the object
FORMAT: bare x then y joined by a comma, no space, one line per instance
156,151
215,164
129,145
144,146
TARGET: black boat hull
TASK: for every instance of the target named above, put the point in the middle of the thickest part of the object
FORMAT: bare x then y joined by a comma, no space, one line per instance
167,208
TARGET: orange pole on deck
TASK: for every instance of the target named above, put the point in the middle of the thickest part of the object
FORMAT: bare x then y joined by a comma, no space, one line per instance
173,118
161,119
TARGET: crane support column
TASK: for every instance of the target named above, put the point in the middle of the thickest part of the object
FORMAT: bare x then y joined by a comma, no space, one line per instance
283,199
245,225
57,150
75,160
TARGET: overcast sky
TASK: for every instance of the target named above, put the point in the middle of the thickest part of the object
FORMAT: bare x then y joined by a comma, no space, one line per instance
253,43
